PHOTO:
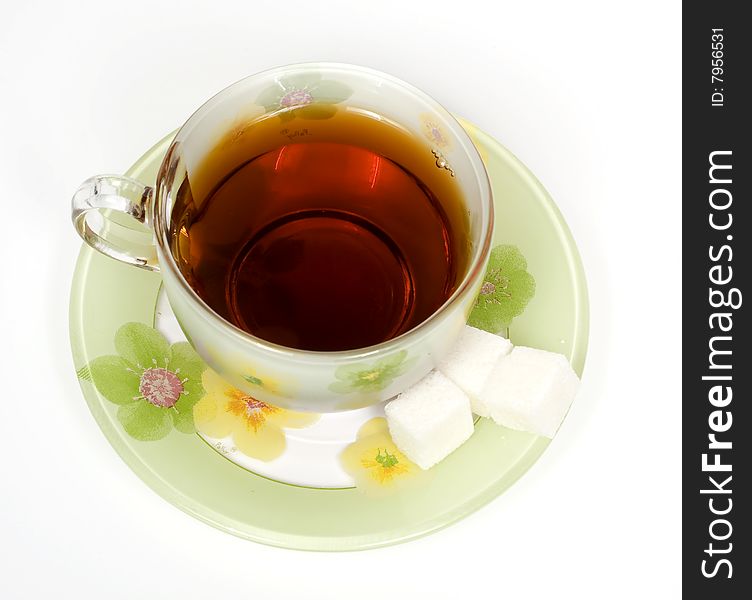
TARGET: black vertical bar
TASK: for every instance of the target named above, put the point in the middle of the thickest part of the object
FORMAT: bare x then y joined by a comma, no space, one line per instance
716,269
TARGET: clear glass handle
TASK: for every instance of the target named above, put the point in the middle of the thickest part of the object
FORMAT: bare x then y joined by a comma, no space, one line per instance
97,210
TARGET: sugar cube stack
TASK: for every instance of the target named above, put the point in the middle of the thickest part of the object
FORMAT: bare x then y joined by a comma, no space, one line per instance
518,387
430,420
531,390
470,362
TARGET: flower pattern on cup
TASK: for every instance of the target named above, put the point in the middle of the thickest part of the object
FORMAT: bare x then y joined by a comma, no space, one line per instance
225,361
256,427
435,132
305,95
506,290
154,384
261,380
374,461
370,377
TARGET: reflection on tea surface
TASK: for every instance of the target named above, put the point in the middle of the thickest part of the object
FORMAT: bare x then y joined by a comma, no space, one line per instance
322,235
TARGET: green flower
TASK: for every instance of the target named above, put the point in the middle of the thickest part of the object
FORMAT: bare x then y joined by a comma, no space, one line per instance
506,290
305,95
155,385
364,377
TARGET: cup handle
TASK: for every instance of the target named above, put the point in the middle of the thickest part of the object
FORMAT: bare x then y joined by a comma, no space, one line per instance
109,195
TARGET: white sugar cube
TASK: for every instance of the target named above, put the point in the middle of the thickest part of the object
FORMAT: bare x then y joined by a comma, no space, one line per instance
471,361
430,420
530,390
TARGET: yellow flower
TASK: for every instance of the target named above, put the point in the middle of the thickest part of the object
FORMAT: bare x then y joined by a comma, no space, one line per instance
255,426
375,463
435,133
263,380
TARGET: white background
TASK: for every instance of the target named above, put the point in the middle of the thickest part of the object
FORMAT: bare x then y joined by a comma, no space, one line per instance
587,94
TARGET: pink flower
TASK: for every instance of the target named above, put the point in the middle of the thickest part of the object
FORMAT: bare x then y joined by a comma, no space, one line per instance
296,98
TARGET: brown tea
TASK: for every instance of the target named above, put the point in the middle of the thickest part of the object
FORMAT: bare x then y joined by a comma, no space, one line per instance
324,235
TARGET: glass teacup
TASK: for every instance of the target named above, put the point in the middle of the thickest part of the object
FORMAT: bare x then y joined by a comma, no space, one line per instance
292,378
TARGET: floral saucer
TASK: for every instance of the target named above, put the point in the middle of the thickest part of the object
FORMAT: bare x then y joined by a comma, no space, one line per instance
300,480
